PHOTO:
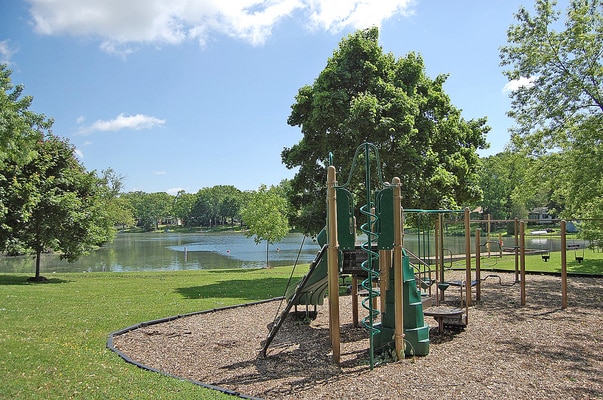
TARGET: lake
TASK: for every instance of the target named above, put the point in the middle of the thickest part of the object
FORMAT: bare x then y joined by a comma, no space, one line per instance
173,251
210,250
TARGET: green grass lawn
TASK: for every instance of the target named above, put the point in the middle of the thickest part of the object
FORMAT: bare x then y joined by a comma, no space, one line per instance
592,263
53,336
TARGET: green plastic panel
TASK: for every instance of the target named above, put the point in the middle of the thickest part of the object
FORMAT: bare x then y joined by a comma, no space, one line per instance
384,208
346,223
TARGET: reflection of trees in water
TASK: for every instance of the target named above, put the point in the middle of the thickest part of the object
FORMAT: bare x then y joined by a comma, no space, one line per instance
166,251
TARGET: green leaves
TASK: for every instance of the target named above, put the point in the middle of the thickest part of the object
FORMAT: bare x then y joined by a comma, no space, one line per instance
366,95
49,201
559,115
566,69
266,215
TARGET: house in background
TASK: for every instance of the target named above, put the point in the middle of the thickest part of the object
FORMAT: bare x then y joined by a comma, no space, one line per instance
540,215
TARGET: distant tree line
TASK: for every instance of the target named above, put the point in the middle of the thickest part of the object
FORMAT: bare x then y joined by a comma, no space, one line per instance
219,205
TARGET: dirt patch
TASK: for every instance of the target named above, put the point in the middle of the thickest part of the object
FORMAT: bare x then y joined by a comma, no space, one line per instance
506,352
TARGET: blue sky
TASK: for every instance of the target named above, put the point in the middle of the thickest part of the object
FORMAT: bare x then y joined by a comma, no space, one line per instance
190,94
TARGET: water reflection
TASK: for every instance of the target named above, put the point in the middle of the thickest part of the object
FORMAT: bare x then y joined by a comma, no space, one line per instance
173,251
210,250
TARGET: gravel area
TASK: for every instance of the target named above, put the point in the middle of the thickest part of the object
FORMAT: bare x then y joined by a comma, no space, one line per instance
506,351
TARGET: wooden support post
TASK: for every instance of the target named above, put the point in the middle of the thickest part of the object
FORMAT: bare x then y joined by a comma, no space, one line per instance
516,223
478,288
488,236
563,265
522,261
467,264
333,265
398,273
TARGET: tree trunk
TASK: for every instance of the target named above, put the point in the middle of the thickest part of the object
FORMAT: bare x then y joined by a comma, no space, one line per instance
38,256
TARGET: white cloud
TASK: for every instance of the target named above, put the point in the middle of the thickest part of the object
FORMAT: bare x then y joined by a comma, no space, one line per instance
79,154
337,15
118,23
159,172
135,122
6,52
174,191
517,84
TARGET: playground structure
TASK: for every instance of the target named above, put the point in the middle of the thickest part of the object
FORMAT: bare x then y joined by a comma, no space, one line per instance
380,263
396,285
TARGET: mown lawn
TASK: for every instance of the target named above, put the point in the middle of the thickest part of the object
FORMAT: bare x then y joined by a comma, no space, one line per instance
53,336
592,263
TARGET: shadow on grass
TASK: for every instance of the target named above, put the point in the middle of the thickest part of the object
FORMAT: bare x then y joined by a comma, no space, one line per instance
231,271
25,280
585,267
256,289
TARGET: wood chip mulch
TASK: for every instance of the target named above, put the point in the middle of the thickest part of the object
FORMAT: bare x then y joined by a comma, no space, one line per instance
506,351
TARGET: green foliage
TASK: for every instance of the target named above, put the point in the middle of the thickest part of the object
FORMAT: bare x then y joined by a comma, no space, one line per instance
565,69
499,176
215,205
561,111
183,205
266,215
364,95
19,127
53,203
119,210
150,208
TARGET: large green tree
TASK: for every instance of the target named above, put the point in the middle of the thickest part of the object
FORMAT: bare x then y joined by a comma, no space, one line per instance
53,203
499,176
265,214
559,107
366,95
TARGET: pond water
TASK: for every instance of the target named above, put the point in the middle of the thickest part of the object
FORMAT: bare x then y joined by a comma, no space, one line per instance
174,251
211,250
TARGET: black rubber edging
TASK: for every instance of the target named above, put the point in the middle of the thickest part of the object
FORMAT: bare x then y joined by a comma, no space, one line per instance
127,359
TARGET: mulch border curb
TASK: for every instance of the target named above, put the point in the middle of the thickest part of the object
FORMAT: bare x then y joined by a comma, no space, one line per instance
144,324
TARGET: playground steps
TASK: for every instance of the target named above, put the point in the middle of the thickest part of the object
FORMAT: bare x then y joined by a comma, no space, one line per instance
416,331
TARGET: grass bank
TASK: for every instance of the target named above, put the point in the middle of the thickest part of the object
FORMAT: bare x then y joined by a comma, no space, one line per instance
53,336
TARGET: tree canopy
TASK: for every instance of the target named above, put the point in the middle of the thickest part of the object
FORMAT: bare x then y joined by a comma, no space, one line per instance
559,108
366,95
265,214
19,126
53,203
48,200
562,74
